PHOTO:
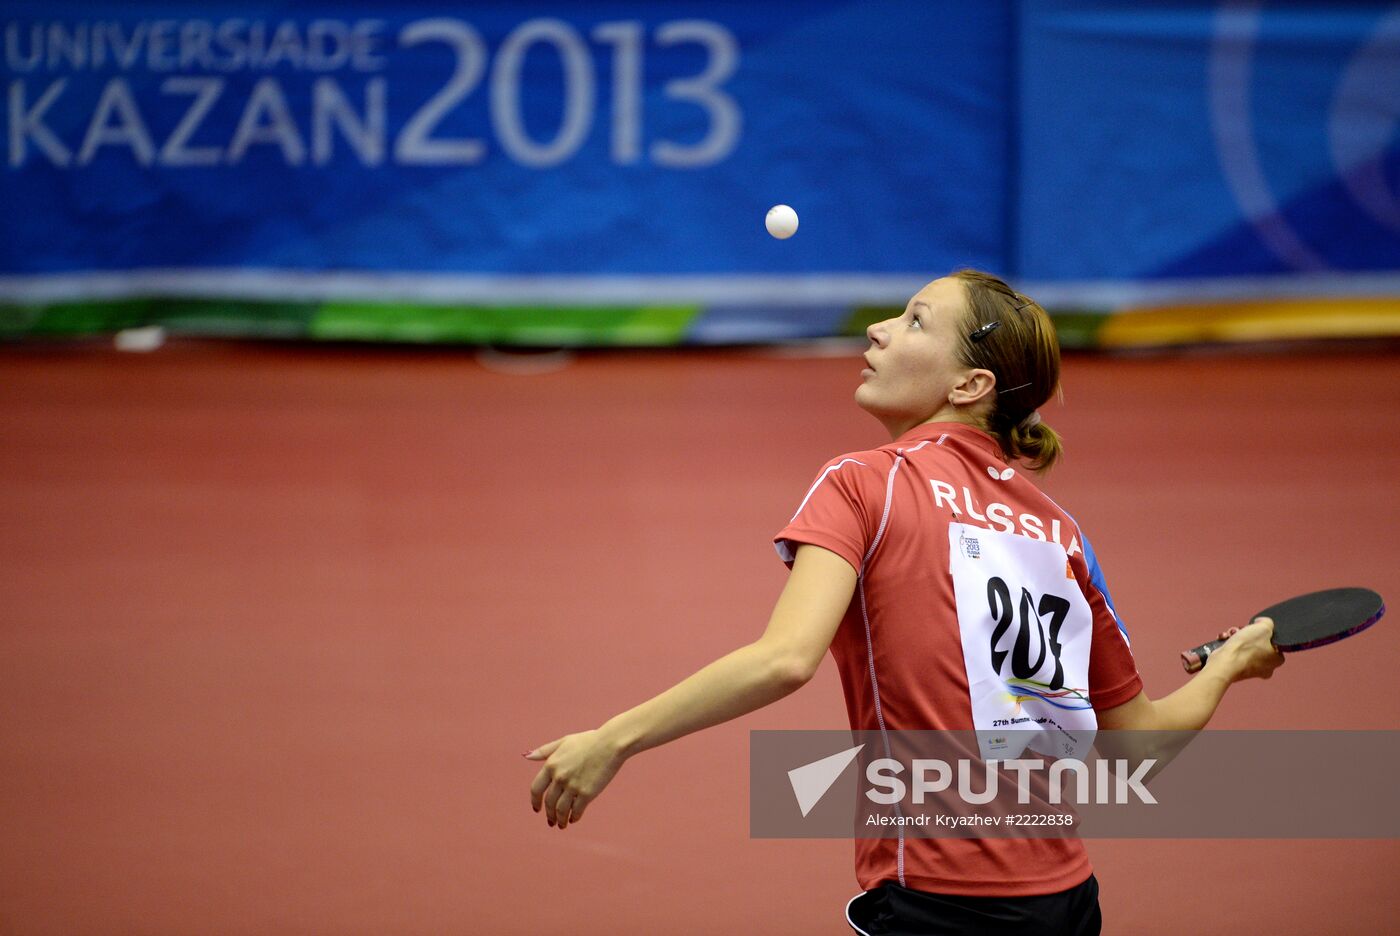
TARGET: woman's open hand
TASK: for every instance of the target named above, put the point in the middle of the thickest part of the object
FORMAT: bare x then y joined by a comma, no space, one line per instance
577,767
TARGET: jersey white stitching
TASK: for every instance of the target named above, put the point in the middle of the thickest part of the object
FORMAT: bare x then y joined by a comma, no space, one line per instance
817,483
870,646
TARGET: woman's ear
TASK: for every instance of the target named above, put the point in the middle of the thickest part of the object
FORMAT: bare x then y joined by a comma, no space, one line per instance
976,385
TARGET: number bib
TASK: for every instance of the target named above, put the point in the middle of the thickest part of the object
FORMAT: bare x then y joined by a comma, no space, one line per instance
1026,633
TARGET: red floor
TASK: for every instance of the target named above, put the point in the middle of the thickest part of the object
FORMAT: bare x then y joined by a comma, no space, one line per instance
276,624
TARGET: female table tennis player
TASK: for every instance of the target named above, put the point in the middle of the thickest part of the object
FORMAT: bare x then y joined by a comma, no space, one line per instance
875,553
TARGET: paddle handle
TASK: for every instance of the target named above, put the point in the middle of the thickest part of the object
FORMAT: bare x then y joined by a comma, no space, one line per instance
1195,658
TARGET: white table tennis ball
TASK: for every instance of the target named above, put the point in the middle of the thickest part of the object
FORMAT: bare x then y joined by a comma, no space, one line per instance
781,222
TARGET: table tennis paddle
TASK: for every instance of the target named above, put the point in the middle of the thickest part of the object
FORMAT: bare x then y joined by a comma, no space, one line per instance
1307,621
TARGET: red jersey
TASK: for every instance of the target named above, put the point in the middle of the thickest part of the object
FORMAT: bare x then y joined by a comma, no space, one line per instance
907,516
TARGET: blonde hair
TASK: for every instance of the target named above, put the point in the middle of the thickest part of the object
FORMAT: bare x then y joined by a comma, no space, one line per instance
1023,353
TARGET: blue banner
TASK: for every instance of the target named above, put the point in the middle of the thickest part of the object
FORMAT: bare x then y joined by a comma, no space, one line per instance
1166,140
621,156
599,139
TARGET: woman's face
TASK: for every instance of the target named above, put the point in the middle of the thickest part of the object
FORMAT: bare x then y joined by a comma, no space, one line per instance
912,358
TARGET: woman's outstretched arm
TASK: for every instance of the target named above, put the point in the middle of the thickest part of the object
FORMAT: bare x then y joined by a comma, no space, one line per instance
1142,728
1248,654
578,766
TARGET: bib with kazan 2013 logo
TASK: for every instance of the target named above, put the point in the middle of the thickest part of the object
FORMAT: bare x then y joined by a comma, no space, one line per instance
1026,631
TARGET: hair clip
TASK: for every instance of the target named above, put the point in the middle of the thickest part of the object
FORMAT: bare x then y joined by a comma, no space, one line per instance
984,331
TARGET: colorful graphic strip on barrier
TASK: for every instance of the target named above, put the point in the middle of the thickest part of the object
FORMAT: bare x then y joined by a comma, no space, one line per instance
661,325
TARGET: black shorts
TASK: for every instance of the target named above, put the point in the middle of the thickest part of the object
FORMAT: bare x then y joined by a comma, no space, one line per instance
891,910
